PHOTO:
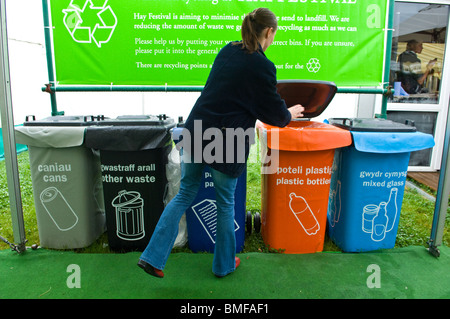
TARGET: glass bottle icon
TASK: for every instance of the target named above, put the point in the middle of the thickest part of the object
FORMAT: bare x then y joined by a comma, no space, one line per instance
392,209
380,223
303,213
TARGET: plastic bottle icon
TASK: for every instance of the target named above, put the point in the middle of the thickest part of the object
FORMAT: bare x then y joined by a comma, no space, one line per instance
380,223
392,209
303,213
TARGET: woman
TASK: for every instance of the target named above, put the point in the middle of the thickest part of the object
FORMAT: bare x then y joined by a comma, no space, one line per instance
240,89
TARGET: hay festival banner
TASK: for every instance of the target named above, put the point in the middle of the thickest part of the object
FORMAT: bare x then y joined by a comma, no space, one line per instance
174,42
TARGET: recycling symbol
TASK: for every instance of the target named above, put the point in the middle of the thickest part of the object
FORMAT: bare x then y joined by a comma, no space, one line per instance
90,21
313,65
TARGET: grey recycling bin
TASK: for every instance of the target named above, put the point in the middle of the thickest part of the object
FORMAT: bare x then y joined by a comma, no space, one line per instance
66,181
134,152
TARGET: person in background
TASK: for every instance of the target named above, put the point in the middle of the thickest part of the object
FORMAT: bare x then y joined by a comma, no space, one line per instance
410,73
240,89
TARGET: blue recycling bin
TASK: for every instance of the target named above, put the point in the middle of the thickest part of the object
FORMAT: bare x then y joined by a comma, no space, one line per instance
368,182
201,216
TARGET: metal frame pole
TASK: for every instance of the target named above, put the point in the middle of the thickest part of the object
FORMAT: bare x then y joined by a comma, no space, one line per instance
387,59
148,88
9,141
49,54
442,196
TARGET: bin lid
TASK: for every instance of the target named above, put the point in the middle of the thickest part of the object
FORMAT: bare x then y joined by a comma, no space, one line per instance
304,136
391,142
50,136
126,135
129,120
372,125
314,96
125,198
64,120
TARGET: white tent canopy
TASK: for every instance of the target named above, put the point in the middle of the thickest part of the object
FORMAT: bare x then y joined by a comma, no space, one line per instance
411,18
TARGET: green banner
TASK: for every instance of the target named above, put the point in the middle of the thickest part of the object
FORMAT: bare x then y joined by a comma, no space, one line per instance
174,42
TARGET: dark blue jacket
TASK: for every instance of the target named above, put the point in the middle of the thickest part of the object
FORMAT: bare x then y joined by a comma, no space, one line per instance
240,89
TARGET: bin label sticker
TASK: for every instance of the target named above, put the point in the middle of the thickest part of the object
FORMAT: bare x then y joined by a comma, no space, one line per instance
377,220
302,181
299,175
59,210
129,215
206,213
55,172
382,179
109,173
304,215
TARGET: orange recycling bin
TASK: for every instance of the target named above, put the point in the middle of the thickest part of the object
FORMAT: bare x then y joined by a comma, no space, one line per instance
296,170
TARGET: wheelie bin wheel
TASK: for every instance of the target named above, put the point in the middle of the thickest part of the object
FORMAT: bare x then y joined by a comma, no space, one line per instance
257,222
248,222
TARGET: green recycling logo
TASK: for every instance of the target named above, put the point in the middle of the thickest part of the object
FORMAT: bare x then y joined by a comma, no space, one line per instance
90,21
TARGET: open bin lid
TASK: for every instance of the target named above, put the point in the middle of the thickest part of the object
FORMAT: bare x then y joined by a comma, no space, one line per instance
314,96
372,125
300,135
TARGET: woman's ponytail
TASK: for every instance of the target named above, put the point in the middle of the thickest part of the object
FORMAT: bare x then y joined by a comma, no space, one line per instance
253,25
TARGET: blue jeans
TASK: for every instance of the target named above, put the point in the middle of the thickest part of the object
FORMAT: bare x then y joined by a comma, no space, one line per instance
166,231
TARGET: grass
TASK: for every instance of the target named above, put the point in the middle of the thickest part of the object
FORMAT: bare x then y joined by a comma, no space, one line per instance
416,219
29,212
414,228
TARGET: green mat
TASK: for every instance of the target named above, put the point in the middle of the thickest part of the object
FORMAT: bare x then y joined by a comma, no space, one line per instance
403,273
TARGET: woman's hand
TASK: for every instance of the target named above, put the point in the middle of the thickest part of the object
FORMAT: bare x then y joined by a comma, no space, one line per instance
296,111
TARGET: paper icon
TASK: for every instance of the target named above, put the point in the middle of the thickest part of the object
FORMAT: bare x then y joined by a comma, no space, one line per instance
206,212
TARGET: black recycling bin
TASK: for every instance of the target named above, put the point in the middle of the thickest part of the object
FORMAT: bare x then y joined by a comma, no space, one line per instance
133,154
